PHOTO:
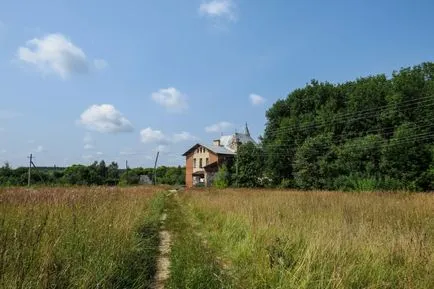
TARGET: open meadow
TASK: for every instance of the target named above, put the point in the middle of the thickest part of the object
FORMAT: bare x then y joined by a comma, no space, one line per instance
294,239
84,237
108,237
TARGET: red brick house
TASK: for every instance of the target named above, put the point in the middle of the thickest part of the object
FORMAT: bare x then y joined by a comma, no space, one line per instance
203,161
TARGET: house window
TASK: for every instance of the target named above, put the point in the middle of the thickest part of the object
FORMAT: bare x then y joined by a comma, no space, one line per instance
200,163
206,161
194,163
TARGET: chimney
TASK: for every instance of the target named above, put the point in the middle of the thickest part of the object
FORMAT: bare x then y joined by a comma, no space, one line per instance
216,142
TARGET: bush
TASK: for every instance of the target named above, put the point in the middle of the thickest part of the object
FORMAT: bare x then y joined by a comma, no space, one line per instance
221,179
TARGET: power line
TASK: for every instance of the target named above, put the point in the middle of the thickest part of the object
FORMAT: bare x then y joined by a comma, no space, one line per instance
355,116
342,137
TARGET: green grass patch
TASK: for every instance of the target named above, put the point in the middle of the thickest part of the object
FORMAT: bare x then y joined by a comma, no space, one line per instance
193,264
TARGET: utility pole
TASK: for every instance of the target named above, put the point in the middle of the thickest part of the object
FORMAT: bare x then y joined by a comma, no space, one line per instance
30,168
236,170
155,169
126,168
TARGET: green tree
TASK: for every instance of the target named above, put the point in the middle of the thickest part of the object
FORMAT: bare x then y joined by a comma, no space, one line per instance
250,159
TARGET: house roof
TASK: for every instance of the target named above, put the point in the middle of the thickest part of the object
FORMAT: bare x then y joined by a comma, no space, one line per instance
198,173
227,143
215,149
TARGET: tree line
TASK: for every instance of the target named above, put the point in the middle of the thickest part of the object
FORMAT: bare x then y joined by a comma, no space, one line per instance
98,173
374,133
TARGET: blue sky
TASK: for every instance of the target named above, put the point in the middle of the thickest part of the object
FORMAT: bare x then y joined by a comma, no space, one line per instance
118,80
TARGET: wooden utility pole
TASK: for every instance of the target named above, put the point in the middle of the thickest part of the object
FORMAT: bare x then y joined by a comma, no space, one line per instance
236,170
126,168
155,169
30,168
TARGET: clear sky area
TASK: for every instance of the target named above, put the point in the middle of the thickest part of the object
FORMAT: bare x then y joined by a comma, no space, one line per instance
119,80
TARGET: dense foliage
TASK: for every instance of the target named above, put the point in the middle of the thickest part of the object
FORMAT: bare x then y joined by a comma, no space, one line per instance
372,133
94,174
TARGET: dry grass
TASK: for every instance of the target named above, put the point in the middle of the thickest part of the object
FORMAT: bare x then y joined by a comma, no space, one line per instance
291,239
67,237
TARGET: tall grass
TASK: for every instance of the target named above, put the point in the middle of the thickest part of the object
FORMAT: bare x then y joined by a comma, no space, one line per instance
73,237
193,264
291,239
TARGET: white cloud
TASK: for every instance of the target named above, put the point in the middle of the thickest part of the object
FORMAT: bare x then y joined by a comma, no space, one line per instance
54,53
218,8
218,127
100,64
105,118
148,135
88,146
171,98
99,153
256,99
183,136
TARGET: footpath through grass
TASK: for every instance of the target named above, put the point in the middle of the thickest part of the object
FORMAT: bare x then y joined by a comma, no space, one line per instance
194,265
87,237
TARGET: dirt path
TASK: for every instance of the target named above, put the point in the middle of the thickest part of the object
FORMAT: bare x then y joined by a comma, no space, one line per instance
163,261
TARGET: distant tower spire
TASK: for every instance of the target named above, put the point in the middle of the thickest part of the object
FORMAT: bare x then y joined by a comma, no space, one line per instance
246,130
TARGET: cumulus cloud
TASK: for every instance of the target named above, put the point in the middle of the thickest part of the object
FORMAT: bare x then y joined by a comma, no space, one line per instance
183,136
218,127
56,53
105,118
256,99
218,8
171,98
148,135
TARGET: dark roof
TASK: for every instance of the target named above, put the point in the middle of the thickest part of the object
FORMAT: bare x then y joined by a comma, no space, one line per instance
198,173
211,165
215,149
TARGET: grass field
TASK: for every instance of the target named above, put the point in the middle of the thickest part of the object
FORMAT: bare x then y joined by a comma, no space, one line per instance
290,239
100,237
78,237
